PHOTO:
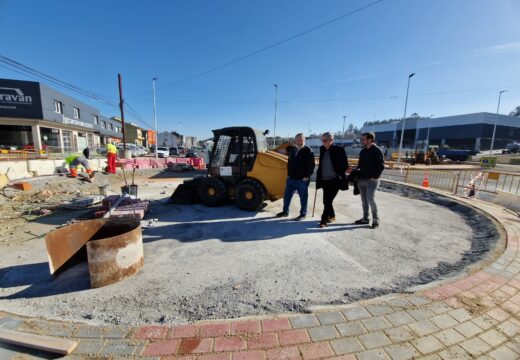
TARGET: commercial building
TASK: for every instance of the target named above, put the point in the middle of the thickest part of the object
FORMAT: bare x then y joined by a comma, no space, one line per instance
36,116
468,131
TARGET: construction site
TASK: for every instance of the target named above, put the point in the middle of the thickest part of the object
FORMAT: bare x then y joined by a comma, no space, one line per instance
150,252
260,180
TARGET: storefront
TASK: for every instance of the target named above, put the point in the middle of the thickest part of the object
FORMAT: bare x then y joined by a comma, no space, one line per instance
35,117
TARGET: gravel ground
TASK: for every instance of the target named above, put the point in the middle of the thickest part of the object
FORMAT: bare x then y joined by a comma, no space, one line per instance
214,263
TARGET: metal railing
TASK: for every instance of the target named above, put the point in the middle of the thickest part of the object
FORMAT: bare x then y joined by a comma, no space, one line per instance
457,181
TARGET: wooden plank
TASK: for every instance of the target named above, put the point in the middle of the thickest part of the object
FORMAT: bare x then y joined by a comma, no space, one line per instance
38,342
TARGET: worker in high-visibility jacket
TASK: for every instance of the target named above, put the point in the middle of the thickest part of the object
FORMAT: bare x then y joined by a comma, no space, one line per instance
111,158
79,160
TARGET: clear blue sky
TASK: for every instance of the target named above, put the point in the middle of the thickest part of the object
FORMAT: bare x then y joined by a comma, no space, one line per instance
363,59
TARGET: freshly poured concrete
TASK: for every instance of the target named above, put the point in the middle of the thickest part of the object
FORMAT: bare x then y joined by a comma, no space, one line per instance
208,263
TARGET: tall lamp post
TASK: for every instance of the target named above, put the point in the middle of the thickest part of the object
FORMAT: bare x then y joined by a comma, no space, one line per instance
155,118
275,108
495,126
404,118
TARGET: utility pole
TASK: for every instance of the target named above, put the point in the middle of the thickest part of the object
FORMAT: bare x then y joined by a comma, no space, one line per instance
404,118
275,108
343,133
122,108
155,117
495,126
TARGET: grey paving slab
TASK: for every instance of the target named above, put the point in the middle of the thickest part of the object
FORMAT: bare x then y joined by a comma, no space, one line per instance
503,353
399,318
402,352
377,310
351,328
444,321
468,329
372,355
449,337
332,317
9,323
475,346
304,321
346,346
423,327
376,323
89,346
356,313
428,344
400,334
374,340
493,337
323,333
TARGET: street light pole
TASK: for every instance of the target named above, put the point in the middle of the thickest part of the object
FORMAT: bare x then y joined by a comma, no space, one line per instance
495,126
343,133
275,109
428,133
155,118
404,118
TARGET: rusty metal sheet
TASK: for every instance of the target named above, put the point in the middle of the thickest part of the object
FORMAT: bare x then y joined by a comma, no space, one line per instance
63,243
115,252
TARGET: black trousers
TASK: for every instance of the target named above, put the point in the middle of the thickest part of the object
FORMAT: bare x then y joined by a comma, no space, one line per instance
330,190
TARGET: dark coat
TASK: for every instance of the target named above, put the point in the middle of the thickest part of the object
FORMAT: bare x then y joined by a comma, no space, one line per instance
301,163
339,160
371,163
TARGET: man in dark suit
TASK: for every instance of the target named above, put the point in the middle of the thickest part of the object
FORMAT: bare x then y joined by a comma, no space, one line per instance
299,169
331,173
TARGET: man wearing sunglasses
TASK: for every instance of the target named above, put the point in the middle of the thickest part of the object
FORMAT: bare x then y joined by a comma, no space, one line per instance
331,172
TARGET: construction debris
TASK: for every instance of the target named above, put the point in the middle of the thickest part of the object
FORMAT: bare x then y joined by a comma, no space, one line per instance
122,207
24,186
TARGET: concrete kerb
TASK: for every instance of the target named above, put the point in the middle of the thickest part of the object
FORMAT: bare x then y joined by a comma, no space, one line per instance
416,321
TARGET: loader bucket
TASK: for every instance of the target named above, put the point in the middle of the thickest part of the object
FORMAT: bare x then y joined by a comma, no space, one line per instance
186,193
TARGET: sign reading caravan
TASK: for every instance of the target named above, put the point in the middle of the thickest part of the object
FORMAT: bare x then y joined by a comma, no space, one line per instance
20,99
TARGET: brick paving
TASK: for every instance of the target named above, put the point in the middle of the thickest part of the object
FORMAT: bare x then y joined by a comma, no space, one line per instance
473,317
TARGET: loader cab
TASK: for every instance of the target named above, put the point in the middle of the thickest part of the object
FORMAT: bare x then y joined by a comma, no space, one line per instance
234,152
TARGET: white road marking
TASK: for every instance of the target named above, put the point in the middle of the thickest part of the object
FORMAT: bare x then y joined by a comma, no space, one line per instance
342,254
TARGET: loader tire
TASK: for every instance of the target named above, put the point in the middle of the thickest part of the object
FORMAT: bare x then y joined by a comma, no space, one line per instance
212,191
249,195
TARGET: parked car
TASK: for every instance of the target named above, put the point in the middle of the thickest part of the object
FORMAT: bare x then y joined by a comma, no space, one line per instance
191,154
131,147
174,151
102,151
163,152
142,150
513,147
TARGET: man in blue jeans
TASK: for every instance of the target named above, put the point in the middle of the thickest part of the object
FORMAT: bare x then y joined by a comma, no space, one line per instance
299,169
371,165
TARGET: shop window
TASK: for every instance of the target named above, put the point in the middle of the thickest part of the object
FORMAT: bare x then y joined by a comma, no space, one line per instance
96,120
76,113
67,140
58,107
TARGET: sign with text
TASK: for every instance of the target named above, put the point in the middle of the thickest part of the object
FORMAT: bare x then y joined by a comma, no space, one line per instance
20,99
74,122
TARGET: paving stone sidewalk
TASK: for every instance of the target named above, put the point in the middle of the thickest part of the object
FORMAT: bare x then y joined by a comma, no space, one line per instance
474,317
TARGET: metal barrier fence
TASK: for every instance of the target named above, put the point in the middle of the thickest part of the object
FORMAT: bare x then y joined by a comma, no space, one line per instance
457,181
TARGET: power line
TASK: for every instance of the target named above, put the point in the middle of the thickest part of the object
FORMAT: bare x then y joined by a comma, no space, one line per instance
268,47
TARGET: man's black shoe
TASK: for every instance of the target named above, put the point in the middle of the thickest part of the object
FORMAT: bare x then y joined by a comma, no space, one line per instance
362,222
282,214
300,218
375,224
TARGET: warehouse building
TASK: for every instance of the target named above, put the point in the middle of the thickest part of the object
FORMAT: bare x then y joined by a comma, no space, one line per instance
35,116
468,132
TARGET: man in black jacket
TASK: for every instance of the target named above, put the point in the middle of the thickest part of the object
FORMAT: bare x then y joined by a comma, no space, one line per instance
331,172
299,168
371,165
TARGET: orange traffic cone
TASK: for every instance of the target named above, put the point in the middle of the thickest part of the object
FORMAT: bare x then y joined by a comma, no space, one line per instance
426,180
